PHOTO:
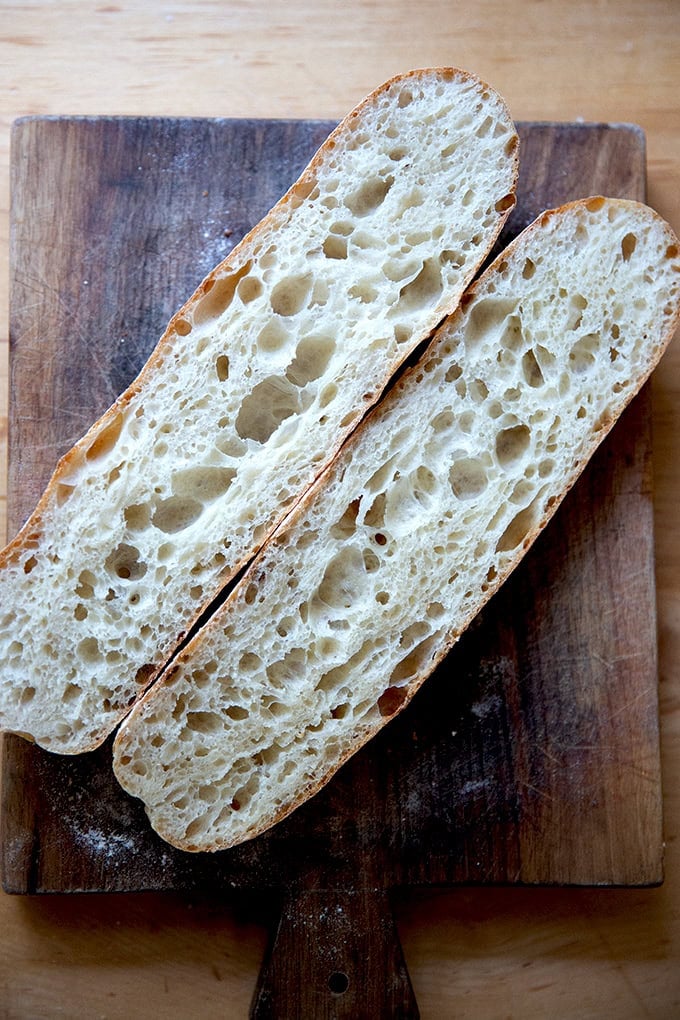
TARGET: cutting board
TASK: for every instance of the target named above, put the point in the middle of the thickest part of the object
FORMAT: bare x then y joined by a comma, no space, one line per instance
531,756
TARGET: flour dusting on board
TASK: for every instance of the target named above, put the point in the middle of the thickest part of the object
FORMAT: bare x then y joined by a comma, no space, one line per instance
108,845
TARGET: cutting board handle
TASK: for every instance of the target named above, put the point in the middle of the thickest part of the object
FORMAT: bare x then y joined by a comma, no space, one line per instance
335,954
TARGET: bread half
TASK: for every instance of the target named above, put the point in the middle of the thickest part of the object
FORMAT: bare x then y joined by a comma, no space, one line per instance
249,393
423,514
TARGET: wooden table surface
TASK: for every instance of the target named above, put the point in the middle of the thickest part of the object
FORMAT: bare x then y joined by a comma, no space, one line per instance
474,953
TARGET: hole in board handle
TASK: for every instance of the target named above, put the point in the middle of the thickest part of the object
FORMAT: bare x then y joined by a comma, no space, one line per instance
338,982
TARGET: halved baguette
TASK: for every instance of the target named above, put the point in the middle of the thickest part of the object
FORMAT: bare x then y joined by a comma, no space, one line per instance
422,515
249,393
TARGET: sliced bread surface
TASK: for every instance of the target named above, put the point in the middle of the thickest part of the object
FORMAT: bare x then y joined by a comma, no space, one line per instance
422,515
249,393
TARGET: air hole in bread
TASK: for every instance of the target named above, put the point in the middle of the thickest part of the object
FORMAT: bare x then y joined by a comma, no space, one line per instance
505,203
519,527
577,304
413,633
64,492
332,679
71,693
346,526
284,672
512,337
137,516
342,227
249,662
398,269
30,564
328,395
452,259
478,391
449,149
341,583
231,446
529,269
416,238
249,289
335,247
413,199
196,828
88,650
423,290
307,539
123,562
402,334
443,421
204,722
202,483
486,315
531,370
582,354
391,700
485,127
363,292
365,241
86,584
511,444
369,195
467,478
273,336
375,515
15,648
290,295
266,407
183,327
371,561
105,439
275,708
219,294
222,367
408,498
628,245
208,793
311,360
175,514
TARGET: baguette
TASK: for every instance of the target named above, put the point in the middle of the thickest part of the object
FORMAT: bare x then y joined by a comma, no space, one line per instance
249,393
422,515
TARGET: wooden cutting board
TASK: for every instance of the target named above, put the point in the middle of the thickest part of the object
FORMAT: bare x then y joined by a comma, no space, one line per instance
531,756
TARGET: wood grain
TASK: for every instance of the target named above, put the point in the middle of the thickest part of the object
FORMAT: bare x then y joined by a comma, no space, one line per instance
546,711
472,953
